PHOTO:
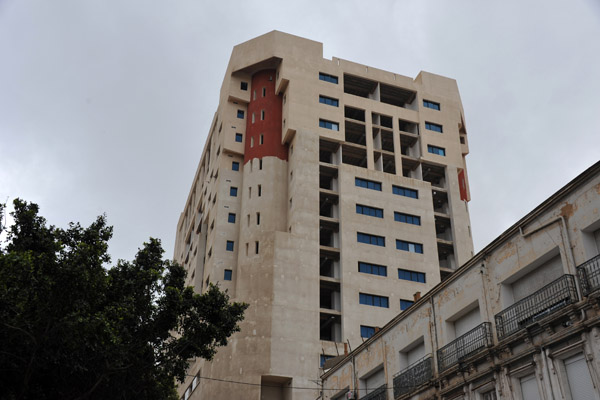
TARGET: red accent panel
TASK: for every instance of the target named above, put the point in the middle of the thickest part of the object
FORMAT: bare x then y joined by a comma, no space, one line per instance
270,126
462,185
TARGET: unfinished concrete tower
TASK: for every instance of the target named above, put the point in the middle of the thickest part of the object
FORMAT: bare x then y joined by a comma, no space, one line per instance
327,196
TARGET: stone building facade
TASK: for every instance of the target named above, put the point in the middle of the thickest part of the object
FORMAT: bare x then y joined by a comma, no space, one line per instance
519,321
328,194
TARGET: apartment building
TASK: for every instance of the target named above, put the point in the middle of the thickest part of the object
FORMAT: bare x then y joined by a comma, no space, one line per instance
329,195
519,321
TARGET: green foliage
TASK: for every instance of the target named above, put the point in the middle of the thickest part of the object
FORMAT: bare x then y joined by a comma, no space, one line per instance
72,329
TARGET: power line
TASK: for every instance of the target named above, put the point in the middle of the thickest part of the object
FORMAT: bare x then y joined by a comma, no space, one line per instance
277,386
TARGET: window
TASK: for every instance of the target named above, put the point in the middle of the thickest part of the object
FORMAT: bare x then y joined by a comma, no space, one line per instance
324,357
436,150
366,331
367,184
229,246
253,117
529,387
254,95
233,191
402,191
244,86
371,211
328,78
433,127
259,190
260,163
409,246
231,218
240,114
261,139
370,239
404,304
411,275
262,115
235,166
578,374
407,218
264,92
329,101
252,140
334,126
256,247
239,137
489,395
257,218
228,274
373,300
431,104
373,269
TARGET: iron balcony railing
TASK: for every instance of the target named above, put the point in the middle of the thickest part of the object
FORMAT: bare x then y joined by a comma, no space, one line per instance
589,275
378,394
552,297
413,376
464,346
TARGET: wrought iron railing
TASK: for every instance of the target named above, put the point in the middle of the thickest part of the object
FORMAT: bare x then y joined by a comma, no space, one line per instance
413,376
589,275
378,394
464,346
552,297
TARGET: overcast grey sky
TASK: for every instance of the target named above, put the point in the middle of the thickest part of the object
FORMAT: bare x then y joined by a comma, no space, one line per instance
105,105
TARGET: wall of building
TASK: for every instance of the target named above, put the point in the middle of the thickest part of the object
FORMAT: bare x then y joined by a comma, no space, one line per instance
292,300
538,335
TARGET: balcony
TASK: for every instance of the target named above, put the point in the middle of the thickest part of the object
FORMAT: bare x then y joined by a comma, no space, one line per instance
464,346
589,275
413,376
552,297
378,394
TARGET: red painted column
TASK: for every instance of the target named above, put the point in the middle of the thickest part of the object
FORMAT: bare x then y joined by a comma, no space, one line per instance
264,118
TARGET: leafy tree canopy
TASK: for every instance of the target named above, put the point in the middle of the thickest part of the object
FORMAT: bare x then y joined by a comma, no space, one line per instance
72,329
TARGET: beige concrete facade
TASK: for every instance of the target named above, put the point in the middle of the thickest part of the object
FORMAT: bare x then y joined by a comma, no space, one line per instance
519,321
282,232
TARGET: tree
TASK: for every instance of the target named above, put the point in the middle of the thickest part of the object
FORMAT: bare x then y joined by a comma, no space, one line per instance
72,329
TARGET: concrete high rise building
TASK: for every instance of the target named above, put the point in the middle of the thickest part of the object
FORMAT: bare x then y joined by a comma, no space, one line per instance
329,196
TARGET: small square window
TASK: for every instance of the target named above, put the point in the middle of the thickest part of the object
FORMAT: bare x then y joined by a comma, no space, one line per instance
235,166
233,191
334,126
228,274
231,218
229,246
404,304
244,86
434,127
440,151
431,104
366,331
239,137
240,114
